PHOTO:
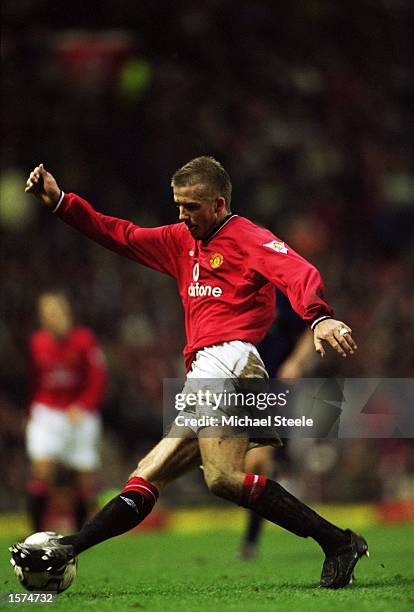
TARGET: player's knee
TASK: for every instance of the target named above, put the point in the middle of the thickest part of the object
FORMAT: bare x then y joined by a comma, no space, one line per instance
218,482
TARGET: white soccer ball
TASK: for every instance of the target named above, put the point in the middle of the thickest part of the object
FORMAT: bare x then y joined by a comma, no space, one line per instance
53,580
41,537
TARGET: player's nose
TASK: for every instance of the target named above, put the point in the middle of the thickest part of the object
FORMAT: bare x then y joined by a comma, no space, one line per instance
182,214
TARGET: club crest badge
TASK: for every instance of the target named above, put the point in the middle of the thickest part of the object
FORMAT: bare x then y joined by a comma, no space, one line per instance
277,246
216,260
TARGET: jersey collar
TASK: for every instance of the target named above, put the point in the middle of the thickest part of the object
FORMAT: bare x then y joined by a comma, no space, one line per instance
218,227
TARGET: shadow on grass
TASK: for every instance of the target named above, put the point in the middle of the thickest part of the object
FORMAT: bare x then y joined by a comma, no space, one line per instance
166,591
390,581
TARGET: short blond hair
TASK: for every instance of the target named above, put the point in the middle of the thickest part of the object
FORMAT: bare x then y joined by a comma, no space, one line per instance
206,171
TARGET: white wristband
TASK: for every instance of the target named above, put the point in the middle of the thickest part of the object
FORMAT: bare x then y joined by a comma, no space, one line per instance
315,323
59,202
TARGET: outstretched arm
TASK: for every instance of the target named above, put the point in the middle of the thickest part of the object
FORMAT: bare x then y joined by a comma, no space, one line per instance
153,247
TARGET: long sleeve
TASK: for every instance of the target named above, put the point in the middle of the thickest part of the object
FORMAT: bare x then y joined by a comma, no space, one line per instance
299,280
152,247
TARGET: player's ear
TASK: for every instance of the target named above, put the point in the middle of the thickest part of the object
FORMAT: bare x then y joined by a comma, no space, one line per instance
220,204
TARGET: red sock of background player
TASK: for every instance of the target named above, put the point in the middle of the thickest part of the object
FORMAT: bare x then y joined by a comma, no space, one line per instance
121,514
271,501
37,499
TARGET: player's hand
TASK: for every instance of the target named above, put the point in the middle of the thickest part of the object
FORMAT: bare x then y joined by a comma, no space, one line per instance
75,413
44,186
337,334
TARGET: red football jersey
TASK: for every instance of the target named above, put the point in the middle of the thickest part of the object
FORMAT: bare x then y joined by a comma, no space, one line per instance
67,371
225,283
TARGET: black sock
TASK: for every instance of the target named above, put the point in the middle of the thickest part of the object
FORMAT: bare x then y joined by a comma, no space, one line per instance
36,507
280,507
121,514
254,528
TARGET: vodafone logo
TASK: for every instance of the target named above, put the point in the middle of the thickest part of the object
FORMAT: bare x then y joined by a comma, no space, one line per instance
197,290
196,271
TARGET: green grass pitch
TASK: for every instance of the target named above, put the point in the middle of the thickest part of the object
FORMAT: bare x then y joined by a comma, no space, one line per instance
189,572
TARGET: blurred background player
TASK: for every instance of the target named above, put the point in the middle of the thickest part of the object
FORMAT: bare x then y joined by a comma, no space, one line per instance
287,352
67,385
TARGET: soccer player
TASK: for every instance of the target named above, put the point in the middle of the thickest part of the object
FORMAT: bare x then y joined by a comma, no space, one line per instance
67,384
226,268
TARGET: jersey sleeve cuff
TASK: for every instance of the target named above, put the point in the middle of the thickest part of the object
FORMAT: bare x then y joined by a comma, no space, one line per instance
315,323
59,202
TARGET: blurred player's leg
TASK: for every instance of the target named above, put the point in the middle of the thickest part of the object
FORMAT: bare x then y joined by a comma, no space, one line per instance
169,459
85,496
258,461
83,457
46,435
42,473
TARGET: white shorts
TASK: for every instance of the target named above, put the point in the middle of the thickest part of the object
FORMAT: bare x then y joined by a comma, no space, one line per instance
231,366
51,435
235,359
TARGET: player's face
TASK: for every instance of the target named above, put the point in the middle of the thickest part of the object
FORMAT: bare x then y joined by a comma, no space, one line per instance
55,314
199,211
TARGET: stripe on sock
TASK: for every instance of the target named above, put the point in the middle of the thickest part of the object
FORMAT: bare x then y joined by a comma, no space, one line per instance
253,487
140,485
